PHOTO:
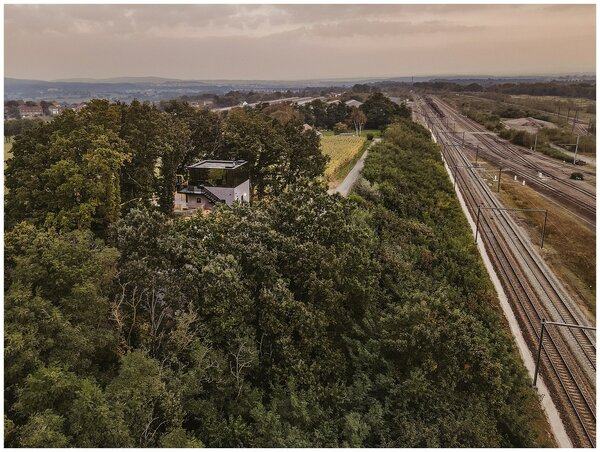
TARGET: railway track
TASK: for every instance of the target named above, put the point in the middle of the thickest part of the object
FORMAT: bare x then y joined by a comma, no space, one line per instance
523,163
569,357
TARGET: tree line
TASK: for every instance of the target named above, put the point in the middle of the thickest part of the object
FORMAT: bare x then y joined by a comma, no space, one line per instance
83,169
378,111
585,90
301,320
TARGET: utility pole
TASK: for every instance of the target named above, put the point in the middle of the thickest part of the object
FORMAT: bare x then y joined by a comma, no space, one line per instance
463,140
539,352
574,120
576,149
455,168
499,178
544,211
544,227
477,224
476,154
535,144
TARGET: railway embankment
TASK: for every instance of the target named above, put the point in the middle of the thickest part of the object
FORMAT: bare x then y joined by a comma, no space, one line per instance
533,292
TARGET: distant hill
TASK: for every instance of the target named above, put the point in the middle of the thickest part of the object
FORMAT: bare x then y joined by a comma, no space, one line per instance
155,89
119,80
8,81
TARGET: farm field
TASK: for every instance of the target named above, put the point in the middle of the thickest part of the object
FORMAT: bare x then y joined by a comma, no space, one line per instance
342,151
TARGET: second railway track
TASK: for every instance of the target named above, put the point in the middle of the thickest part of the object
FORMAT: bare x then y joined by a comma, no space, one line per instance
521,162
569,357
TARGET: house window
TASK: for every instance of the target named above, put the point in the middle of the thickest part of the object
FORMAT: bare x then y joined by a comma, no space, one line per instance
199,200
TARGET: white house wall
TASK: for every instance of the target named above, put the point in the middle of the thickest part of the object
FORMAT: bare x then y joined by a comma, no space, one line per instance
242,192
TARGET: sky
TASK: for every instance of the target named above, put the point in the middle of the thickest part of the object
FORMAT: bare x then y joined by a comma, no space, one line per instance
296,42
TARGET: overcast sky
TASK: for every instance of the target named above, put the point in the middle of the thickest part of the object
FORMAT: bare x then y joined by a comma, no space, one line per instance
296,42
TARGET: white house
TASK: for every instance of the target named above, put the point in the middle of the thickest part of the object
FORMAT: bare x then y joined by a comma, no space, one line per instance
210,182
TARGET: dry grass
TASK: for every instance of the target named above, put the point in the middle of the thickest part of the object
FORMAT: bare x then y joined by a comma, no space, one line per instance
570,244
8,149
342,151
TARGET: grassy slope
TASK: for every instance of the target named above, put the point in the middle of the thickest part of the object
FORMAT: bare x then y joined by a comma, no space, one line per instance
569,247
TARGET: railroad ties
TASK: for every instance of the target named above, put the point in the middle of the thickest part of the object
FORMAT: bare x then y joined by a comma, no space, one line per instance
568,361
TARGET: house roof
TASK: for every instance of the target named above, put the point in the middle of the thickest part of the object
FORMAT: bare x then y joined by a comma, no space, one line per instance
29,108
218,164
353,103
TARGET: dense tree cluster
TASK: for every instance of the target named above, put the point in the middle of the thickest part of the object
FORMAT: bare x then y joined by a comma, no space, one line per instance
378,109
447,86
302,320
381,111
15,127
553,88
82,169
562,89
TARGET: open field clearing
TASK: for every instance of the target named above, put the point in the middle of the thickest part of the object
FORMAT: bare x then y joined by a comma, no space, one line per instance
586,107
7,149
7,152
343,151
569,247
528,124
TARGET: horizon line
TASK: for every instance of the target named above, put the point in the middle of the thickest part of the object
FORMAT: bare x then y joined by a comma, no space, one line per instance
324,79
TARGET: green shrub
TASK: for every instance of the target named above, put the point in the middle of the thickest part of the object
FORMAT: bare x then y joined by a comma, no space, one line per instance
340,127
577,176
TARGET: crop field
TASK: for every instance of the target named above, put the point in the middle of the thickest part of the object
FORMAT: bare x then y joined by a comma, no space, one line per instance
7,149
342,151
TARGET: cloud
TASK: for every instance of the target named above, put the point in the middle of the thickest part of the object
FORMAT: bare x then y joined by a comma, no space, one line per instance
295,41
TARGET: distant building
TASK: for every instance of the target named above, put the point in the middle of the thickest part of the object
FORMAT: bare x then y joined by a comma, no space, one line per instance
210,182
79,107
201,104
27,111
55,109
307,127
353,103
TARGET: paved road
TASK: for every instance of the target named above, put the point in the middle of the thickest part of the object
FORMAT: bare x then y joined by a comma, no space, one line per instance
295,100
346,185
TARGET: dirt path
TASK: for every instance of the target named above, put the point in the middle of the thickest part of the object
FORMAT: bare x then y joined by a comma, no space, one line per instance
346,185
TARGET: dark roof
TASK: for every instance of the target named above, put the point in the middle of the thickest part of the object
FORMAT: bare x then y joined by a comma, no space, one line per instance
30,108
218,164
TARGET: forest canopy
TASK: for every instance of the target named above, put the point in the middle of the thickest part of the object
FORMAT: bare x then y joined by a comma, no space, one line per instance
304,319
